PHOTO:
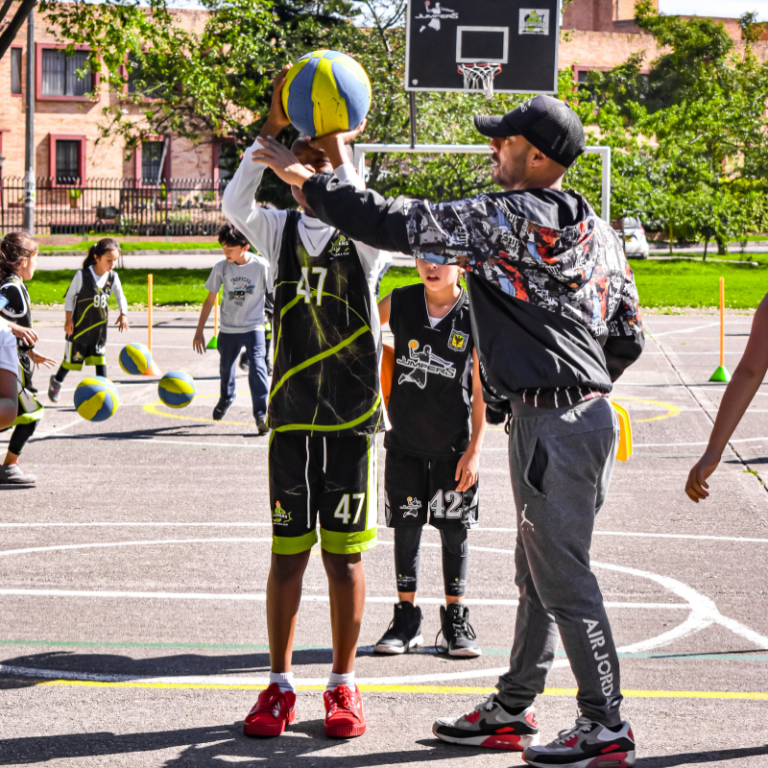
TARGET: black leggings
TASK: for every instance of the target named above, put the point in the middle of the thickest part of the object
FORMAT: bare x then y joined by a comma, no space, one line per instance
455,559
101,370
21,433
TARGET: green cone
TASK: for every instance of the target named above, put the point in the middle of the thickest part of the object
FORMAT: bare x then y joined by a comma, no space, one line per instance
214,344
721,374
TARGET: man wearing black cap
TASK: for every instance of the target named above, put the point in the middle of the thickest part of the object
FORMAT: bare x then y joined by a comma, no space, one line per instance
554,310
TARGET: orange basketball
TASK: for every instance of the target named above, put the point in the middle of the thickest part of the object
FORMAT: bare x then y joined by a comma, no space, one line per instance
387,372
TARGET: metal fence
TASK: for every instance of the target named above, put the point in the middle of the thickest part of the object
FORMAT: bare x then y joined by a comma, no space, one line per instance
124,206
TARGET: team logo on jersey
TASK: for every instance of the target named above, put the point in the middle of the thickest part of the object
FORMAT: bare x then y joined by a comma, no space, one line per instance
457,340
341,247
280,516
423,363
411,507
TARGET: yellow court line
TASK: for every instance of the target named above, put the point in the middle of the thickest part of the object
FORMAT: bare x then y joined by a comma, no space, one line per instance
672,410
426,689
152,408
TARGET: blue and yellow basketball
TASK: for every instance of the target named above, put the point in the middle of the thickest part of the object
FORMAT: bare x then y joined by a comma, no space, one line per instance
176,389
326,91
135,359
96,398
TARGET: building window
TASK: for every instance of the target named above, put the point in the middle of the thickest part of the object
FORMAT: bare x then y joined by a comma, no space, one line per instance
142,82
59,77
151,157
67,161
16,70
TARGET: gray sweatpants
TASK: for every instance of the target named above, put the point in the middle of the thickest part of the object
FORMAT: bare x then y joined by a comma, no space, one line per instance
561,462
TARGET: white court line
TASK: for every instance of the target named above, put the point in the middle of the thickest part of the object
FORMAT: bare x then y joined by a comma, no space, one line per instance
122,344
427,529
686,330
703,613
261,598
705,442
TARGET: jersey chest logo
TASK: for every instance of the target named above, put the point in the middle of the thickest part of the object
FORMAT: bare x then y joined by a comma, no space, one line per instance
420,364
457,341
342,246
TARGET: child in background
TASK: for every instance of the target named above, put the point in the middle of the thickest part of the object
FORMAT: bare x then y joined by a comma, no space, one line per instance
245,278
437,414
269,305
86,313
18,259
741,389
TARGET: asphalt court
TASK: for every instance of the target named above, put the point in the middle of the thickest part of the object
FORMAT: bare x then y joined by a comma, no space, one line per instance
132,582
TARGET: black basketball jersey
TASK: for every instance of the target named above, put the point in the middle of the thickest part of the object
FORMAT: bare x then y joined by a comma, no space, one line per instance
91,313
430,403
16,308
326,359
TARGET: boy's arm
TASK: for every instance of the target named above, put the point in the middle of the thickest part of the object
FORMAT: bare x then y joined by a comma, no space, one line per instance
469,464
384,308
738,395
122,303
198,344
263,227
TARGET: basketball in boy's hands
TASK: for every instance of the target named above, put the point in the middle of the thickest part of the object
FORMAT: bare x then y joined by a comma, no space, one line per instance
325,92
135,359
176,389
96,398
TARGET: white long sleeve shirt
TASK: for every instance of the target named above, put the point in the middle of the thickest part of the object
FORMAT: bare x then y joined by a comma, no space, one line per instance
264,226
101,280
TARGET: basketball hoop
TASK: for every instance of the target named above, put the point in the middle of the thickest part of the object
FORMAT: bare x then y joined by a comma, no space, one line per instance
479,77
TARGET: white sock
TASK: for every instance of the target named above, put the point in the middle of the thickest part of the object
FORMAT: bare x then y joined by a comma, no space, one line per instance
336,679
284,681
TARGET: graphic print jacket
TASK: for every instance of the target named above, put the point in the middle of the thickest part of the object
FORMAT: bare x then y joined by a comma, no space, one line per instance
554,304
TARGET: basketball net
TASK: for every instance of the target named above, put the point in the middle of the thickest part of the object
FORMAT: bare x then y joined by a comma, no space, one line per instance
479,77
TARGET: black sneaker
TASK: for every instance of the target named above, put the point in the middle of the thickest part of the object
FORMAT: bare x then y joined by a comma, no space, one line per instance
243,363
458,636
222,407
261,425
404,630
54,389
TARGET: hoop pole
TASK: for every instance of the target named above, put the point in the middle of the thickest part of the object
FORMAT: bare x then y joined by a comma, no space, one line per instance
722,322
412,104
149,312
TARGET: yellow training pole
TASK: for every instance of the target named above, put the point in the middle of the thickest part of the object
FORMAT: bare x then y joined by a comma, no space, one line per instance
722,373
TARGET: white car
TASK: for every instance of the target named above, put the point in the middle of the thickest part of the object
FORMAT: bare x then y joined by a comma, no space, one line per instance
635,243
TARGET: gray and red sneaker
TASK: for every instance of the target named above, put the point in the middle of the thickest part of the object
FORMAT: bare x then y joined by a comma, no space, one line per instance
587,745
490,725
273,710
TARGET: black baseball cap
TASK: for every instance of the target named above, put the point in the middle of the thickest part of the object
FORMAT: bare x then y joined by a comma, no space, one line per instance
547,123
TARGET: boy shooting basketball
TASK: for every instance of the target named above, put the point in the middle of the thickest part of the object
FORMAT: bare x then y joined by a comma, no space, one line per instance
325,410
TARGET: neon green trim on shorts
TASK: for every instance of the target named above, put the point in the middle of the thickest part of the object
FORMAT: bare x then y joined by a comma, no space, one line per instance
294,545
95,360
346,543
72,366
28,418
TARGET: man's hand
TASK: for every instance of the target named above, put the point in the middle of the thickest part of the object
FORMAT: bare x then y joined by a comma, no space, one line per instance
69,327
277,119
696,484
282,161
466,471
27,335
199,343
122,322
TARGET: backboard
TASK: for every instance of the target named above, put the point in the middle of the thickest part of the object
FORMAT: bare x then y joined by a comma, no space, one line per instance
520,37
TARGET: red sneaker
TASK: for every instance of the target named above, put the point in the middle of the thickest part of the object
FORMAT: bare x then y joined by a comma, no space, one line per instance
344,716
272,711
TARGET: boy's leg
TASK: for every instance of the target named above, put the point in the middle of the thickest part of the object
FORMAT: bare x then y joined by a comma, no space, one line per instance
229,345
257,372
61,374
283,597
101,370
346,589
10,472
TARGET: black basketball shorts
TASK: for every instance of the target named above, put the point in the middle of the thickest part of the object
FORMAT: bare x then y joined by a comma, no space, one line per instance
334,479
419,490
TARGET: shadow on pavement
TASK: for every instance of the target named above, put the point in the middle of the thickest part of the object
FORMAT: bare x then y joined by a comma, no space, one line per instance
701,758
302,744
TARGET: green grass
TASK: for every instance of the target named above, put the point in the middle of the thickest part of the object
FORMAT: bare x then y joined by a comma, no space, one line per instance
661,284
84,245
